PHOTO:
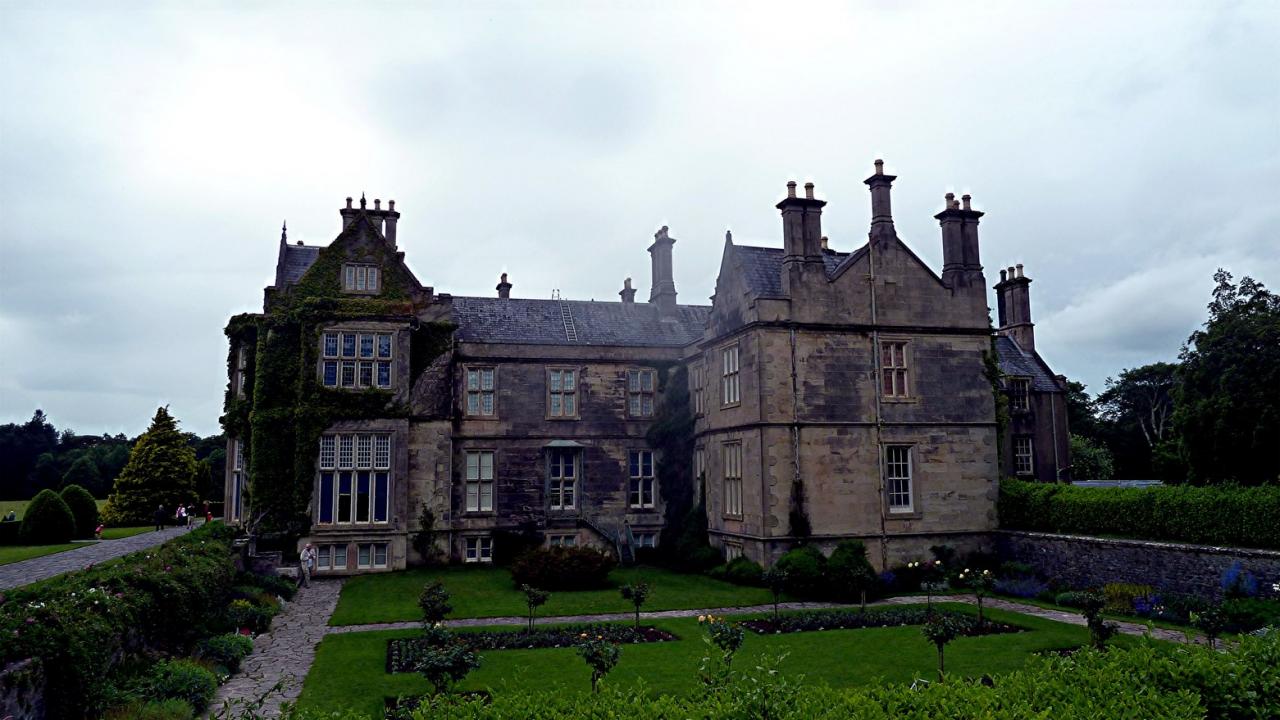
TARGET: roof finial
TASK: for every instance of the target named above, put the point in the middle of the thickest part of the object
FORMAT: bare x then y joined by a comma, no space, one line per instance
284,231
361,199
728,236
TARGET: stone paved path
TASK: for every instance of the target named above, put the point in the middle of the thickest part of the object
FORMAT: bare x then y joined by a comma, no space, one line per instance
1127,628
28,571
285,654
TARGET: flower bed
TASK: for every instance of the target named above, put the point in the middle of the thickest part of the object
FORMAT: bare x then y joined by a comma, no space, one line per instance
886,617
401,652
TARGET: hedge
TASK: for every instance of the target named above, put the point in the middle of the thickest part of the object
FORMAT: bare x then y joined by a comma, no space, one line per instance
84,625
1228,516
47,520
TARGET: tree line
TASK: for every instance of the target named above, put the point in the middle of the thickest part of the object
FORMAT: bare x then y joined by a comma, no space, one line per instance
1212,417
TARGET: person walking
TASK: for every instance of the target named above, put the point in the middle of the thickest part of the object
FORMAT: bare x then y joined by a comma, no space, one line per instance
306,564
208,514
160,517
181,515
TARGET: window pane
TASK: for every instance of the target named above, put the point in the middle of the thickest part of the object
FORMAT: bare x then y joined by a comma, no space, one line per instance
326,497
646,405
555,406
382,499
473,466
362,497
634,462
348,345
486,466
473,380
486,379
486,496
568,380
331,344
344,497
635,405
346,451
384,374
366,346
473,404
384,346
322,557
646,381
382,451
366,374
380,555
348,374
351,277
373,279
361,274
364,555
339,557
487,403
331,373
555,381
326,451
364,451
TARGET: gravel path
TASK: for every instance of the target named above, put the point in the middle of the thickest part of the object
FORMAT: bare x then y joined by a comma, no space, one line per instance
26,572
284,655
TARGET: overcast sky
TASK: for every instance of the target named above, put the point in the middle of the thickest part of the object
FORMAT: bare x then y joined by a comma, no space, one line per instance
148,154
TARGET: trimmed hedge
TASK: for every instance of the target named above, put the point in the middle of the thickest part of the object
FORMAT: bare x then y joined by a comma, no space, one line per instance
83,625
563,568
1229,516
83,508
47,520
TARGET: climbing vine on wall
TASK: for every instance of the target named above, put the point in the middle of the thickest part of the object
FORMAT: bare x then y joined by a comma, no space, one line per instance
672,435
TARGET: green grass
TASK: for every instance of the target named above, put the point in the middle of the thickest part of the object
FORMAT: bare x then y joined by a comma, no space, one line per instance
20,506
489,592
18,553
349,670
124,532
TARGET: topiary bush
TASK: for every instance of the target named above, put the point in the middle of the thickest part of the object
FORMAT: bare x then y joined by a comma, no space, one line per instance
743,571
226,650
850,573
83,508
185,680
47,520
563,568
806,569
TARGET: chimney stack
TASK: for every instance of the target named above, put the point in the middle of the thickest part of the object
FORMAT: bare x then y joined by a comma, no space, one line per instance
1013,307
391,217
801,237
663,291
881,208
504,287
348,215
627,292
961,266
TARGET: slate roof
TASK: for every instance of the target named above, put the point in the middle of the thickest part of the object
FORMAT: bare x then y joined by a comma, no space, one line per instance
294,263
1016,361
762,267
542,322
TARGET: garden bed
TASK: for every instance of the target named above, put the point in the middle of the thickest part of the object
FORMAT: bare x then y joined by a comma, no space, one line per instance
879,618
401,651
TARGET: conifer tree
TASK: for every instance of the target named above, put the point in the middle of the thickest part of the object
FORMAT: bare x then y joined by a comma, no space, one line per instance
161,471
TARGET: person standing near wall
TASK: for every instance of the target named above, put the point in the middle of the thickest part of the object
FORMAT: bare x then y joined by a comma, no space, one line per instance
307,564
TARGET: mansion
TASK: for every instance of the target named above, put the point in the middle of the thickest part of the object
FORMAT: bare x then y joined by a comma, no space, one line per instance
833,394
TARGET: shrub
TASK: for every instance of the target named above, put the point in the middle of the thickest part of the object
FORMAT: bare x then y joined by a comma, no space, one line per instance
226,650
850,573
1210,515
564,568
939,629
743,571
638,594
402,652
444,664
434,603
724,634
1071,598
1120,596
1024,587
806,569
184,680
249,615
84,509
273,584
9,533
1249,614
1100,631
47,520
700,559
172,709
600,655
535,598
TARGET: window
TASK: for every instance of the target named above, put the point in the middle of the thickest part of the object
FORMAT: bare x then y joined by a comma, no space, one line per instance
1023,455
562,393
562,478
640,393
563,540
372,555
479,550
331,557
733,478
355,478
699,468
360,278
323,554
699,394
646,539
893,369
641,472
241,363
480,481
730,393
1020,393
480,391
355,360
237,479
732,551
897,464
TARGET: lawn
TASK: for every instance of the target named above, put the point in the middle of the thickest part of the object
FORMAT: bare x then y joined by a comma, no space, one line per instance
349,671
18,553
19,506
489,592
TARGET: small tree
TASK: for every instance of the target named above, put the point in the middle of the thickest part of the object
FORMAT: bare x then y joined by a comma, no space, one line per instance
600,655
446,663
930,574
637,593
1211,621
534,599
83,507
434,602
1100,631
775,578
981,583
724,635
941,629
83,472
851,572
47,520
161,470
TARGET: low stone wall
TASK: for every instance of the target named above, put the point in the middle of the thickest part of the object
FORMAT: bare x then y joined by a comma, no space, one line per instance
22,690
1081,561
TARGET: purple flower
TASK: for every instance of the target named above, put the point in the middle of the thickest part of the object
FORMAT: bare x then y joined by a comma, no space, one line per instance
31,621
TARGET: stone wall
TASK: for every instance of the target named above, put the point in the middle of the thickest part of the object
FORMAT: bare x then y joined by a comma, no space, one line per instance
22,690
1081,561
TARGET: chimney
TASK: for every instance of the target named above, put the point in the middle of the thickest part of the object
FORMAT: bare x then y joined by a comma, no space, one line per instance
960,264
1013,306
504,287
348,214
663,292
391,216
801,237
627,292
881,211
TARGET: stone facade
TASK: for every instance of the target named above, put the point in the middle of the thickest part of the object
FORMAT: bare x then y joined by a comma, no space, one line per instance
836,395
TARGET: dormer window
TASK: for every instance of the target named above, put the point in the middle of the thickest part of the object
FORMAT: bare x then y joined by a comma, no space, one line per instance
360,279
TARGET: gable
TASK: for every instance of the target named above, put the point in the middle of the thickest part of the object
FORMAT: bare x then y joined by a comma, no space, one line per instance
319,270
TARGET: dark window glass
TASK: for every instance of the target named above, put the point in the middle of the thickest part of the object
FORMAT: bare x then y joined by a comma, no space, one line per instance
326,497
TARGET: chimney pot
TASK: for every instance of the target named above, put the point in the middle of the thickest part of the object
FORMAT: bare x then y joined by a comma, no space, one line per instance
879,166
1004,275
627,293
808,190
348,203
826,245
1020,270
951,198
391,205
791,188
377,204
966,197
504,287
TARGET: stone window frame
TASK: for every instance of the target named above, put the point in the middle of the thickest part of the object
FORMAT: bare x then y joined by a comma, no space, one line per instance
327,555
699,468
561,540
334,356
237,485
477,549
639,394
913,483
1019,393
331,447
367,556
730,374
636,485
645,539
479,481
563,393
552,455
361,278
1029,456
731,484
732,551
242,361
698,379
905,371
480,391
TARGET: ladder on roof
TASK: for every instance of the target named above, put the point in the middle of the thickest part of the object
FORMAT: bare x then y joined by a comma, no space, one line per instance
570,332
